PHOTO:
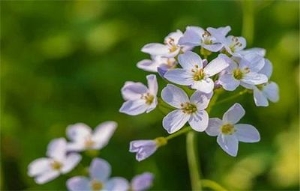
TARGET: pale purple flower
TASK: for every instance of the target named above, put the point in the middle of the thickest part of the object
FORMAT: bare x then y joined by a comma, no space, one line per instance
99,171
229,133
242,71
139,98
194,73
187,110
57,162
141,182
143,148
83,138
196,36
157,62
170,48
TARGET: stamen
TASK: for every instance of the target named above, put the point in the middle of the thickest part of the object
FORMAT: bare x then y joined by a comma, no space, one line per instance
188,108
55,165
227,129
96,185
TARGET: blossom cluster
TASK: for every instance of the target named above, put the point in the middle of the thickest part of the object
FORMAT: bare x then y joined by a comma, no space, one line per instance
194,79
64,156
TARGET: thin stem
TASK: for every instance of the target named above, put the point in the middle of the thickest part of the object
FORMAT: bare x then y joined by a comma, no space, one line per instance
193,163
248,20
182,131
232,97
212,184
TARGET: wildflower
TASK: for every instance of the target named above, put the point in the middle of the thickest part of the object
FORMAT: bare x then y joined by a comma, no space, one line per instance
141,182
229,133
99,171
82,137
145,148
139,98
194,73
169,49
187,110
56,163
157,62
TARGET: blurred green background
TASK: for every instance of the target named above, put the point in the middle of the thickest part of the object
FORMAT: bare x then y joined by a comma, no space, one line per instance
64,62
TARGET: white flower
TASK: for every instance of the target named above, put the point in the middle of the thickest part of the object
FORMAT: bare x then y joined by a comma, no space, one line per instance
229,132
187,110
99,171
82,137
141,182
193,72
58,162
139,98
156,62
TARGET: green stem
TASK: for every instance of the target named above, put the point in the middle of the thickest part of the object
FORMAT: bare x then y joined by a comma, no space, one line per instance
232,97
248,20
182,131
212,184
193,163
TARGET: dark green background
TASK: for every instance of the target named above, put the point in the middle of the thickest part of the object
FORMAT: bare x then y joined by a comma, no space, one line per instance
64,62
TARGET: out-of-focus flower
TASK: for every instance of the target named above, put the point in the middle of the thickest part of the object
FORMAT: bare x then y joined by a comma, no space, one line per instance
187,110
229,133
82,138
58,162
141,182
99,171
139,98
194,73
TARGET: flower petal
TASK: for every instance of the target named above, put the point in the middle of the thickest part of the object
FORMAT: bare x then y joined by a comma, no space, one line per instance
46,177
77,132
39,166
191,36
147,65
271,90
155,49
103,133
152,84
116,184
233,114
142,181
189,60
71,161
175,120
229,143
199,121
174,96
267,69
179,76
254,78
134,107
259,98
228,82
200,99
214,125
143,148
57,149
133,90
205,85
100,169
78,183
215,66
247,133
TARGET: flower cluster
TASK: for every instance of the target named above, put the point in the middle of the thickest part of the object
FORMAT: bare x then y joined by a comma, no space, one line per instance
63,156
194,80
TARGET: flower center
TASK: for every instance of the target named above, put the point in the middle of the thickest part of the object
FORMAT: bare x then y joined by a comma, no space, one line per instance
96,185
148,98
227,129
171,43
89,142
55,165
188,108
198,74
206,38
234,44
239,74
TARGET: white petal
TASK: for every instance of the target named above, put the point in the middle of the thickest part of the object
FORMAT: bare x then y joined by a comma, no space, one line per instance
133,90
117,184
134,107
103,133
200,99
39,166
199,121
71,161
100,169
271,90
57,149
259,98
148,65
254,78
189,60
229,143
247,133
233,114
46,177
174,96
76,146
205,85
155,49
179,76
152,84
78,183
214,125
77,132
267,69
174,121
228,82
215,66
191,36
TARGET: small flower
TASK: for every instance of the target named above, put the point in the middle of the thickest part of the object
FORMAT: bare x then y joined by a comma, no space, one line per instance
145,148
99,171
193,72
229,133
187,110
82,138
169,49
157,62
139,98
141,182
242,71
58,162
